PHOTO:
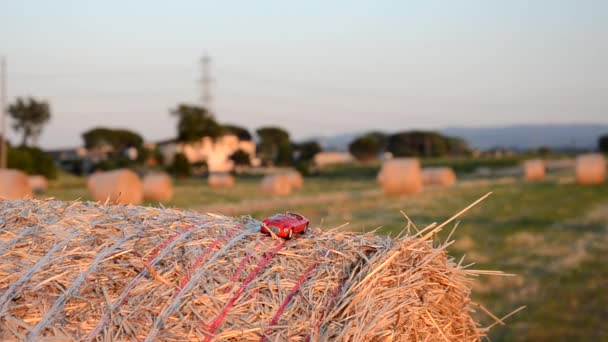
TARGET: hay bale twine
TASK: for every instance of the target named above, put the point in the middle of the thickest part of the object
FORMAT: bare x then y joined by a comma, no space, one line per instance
220,180
86,271
443,176
400,176
158,186
590,169
38,183
14,184
534,169
295,178
121,186
277,184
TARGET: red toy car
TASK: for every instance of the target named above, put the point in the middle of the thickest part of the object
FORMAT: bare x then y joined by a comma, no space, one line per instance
285,225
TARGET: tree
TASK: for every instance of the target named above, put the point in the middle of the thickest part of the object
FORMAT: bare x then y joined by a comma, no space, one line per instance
367,147
181,166
284,154
30,117
305,153
118,139
307,150
380,137
32,160
275,147
97,137
457,146
194,123
602,143
240,158
425,144
241,132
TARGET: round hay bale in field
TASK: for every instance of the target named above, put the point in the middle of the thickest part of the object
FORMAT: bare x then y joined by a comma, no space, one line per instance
590,169
38,183
14,184
400,176
121,186
296,179
534,169
220,180
87,271
443,176
278,184
158,186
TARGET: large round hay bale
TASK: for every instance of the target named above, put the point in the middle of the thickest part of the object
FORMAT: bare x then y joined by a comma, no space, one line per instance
220,180
590,169
400,176
278,184
14,184
38,183
158,186
121,186
295,178
85,271
443,176
534,169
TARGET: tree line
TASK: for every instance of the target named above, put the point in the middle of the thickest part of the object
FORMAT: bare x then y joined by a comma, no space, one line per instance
407,144
274,146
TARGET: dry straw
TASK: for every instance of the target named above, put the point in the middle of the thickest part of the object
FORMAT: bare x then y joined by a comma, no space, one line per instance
276,184
400,176
534,169
87,271
220,180
158,186
14,184
38,183
296,179
118,186
590,169
442,176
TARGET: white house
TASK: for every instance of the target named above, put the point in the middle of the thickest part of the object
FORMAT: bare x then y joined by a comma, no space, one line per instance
216,153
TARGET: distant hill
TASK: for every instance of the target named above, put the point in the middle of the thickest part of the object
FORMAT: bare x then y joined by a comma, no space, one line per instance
566,136
579,136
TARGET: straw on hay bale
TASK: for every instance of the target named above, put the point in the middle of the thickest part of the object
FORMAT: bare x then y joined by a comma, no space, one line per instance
87,271
295,178
158,186
590,169
120,186
277,184
220,180
400,176
38,183
14,184
444,176
534,169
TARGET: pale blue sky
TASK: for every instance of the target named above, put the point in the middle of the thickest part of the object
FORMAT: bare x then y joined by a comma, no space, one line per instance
315,68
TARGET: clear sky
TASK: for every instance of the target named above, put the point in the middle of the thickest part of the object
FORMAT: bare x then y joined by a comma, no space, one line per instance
314,67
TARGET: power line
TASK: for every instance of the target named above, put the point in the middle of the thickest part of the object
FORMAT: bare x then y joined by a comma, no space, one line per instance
86,73
316,86
207,81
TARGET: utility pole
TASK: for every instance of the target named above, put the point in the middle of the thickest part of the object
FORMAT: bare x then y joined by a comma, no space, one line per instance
3,105
206,81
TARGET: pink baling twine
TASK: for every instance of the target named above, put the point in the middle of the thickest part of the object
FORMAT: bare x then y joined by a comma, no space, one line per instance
217,322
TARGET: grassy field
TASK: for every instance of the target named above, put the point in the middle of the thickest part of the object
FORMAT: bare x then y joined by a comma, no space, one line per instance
553,235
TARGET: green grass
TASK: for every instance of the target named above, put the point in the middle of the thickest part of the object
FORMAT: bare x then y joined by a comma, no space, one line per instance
553,236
